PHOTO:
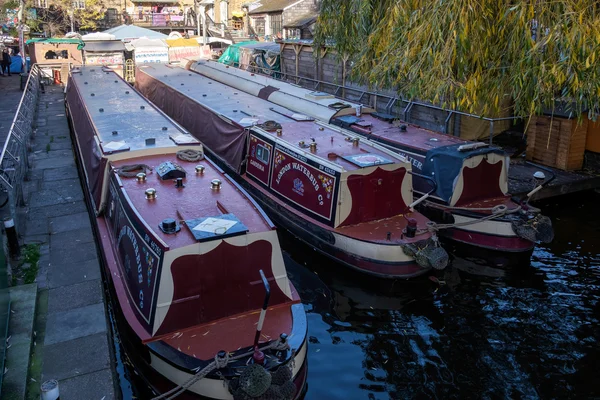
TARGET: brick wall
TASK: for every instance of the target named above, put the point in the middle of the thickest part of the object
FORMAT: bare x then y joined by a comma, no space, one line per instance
304,7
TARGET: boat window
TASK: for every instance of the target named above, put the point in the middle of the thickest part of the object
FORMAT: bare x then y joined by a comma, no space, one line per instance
262,154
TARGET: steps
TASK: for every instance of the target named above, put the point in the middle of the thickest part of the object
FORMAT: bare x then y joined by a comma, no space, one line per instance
20,330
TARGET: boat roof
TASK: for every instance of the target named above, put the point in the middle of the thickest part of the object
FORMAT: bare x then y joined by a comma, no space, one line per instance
298,131
317,104
124,119
194,203
414,136
314,103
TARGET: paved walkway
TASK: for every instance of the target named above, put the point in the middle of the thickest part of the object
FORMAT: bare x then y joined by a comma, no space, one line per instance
73,336
10,95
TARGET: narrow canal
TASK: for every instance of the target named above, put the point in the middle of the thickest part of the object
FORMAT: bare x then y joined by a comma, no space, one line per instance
472,332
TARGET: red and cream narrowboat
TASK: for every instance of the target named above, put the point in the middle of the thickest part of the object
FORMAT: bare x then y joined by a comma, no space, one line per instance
471,199
347,199
194,262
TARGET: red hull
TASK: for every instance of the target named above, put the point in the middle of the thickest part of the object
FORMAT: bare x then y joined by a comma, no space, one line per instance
490,242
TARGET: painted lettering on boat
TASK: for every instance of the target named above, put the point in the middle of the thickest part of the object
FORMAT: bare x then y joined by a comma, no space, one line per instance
140,258
415,162
305,185
256,164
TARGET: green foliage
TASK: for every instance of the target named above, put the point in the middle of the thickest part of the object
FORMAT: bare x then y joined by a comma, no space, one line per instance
30,257
472,55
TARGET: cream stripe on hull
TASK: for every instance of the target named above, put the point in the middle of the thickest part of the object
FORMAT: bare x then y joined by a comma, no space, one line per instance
213,388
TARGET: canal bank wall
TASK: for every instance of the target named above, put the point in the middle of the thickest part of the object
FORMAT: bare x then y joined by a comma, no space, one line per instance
72,337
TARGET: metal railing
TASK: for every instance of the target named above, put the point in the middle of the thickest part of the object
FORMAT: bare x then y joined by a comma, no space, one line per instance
391,104
14,161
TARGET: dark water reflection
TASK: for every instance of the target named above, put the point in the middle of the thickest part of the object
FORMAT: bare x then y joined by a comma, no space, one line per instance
473,332
531,332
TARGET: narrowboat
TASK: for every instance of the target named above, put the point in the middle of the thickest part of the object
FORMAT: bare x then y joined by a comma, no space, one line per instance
471,204
194,265
347,199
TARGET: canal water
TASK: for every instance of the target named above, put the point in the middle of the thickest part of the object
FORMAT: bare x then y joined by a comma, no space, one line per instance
472,331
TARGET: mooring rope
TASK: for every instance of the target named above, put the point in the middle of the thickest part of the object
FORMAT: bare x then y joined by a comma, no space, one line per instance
130,171
190,155
497,212
217,363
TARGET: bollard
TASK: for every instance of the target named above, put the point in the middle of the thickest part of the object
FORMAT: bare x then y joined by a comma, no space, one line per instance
50,390
11,237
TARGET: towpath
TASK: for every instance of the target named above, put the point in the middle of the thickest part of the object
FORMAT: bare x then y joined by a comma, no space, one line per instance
72,332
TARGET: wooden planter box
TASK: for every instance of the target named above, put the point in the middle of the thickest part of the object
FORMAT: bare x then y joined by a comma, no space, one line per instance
557,142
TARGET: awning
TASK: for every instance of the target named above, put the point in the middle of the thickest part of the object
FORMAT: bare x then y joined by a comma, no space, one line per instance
104,45
154,2
238,14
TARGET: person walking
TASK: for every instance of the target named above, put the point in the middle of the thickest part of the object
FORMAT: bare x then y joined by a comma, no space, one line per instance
5,61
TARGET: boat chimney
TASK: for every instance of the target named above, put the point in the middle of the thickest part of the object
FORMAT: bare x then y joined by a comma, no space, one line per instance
355,141
179,183
200,169
150,194
279,132
411,228
141,177
313,146
215,184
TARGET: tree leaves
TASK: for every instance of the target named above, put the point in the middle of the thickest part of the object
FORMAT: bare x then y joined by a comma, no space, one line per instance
472,54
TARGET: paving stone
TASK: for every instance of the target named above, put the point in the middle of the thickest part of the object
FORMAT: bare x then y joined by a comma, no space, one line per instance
70,273
39,226
55,174
93,386
75,323
76,357
57,210
61,146
36,239
68,238
71,222
73,296
56,163
73,254
58,195
65,187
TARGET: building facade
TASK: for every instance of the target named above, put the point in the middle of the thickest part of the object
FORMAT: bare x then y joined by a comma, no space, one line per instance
270,17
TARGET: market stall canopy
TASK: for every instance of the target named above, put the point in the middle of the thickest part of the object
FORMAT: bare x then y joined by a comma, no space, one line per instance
180,49
98,36
78,42
182,42
130,32
238,14
104,46
145,42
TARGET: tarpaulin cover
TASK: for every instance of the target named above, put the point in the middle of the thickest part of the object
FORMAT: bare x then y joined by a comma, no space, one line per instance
93,162
263,55
231,55
225,139
444,164
16,64
78,42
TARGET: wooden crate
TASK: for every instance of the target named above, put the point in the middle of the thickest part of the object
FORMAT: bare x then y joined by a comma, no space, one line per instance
557,142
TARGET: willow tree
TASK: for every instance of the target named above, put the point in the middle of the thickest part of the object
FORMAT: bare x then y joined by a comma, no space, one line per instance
472,55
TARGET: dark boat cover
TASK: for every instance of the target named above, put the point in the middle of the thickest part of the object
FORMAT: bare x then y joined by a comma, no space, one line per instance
444,163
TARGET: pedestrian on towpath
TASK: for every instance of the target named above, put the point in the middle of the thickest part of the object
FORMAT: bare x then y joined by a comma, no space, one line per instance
5,61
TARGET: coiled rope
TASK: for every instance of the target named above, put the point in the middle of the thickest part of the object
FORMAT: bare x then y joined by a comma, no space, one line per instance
217,363
130,171
269,125
190,155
